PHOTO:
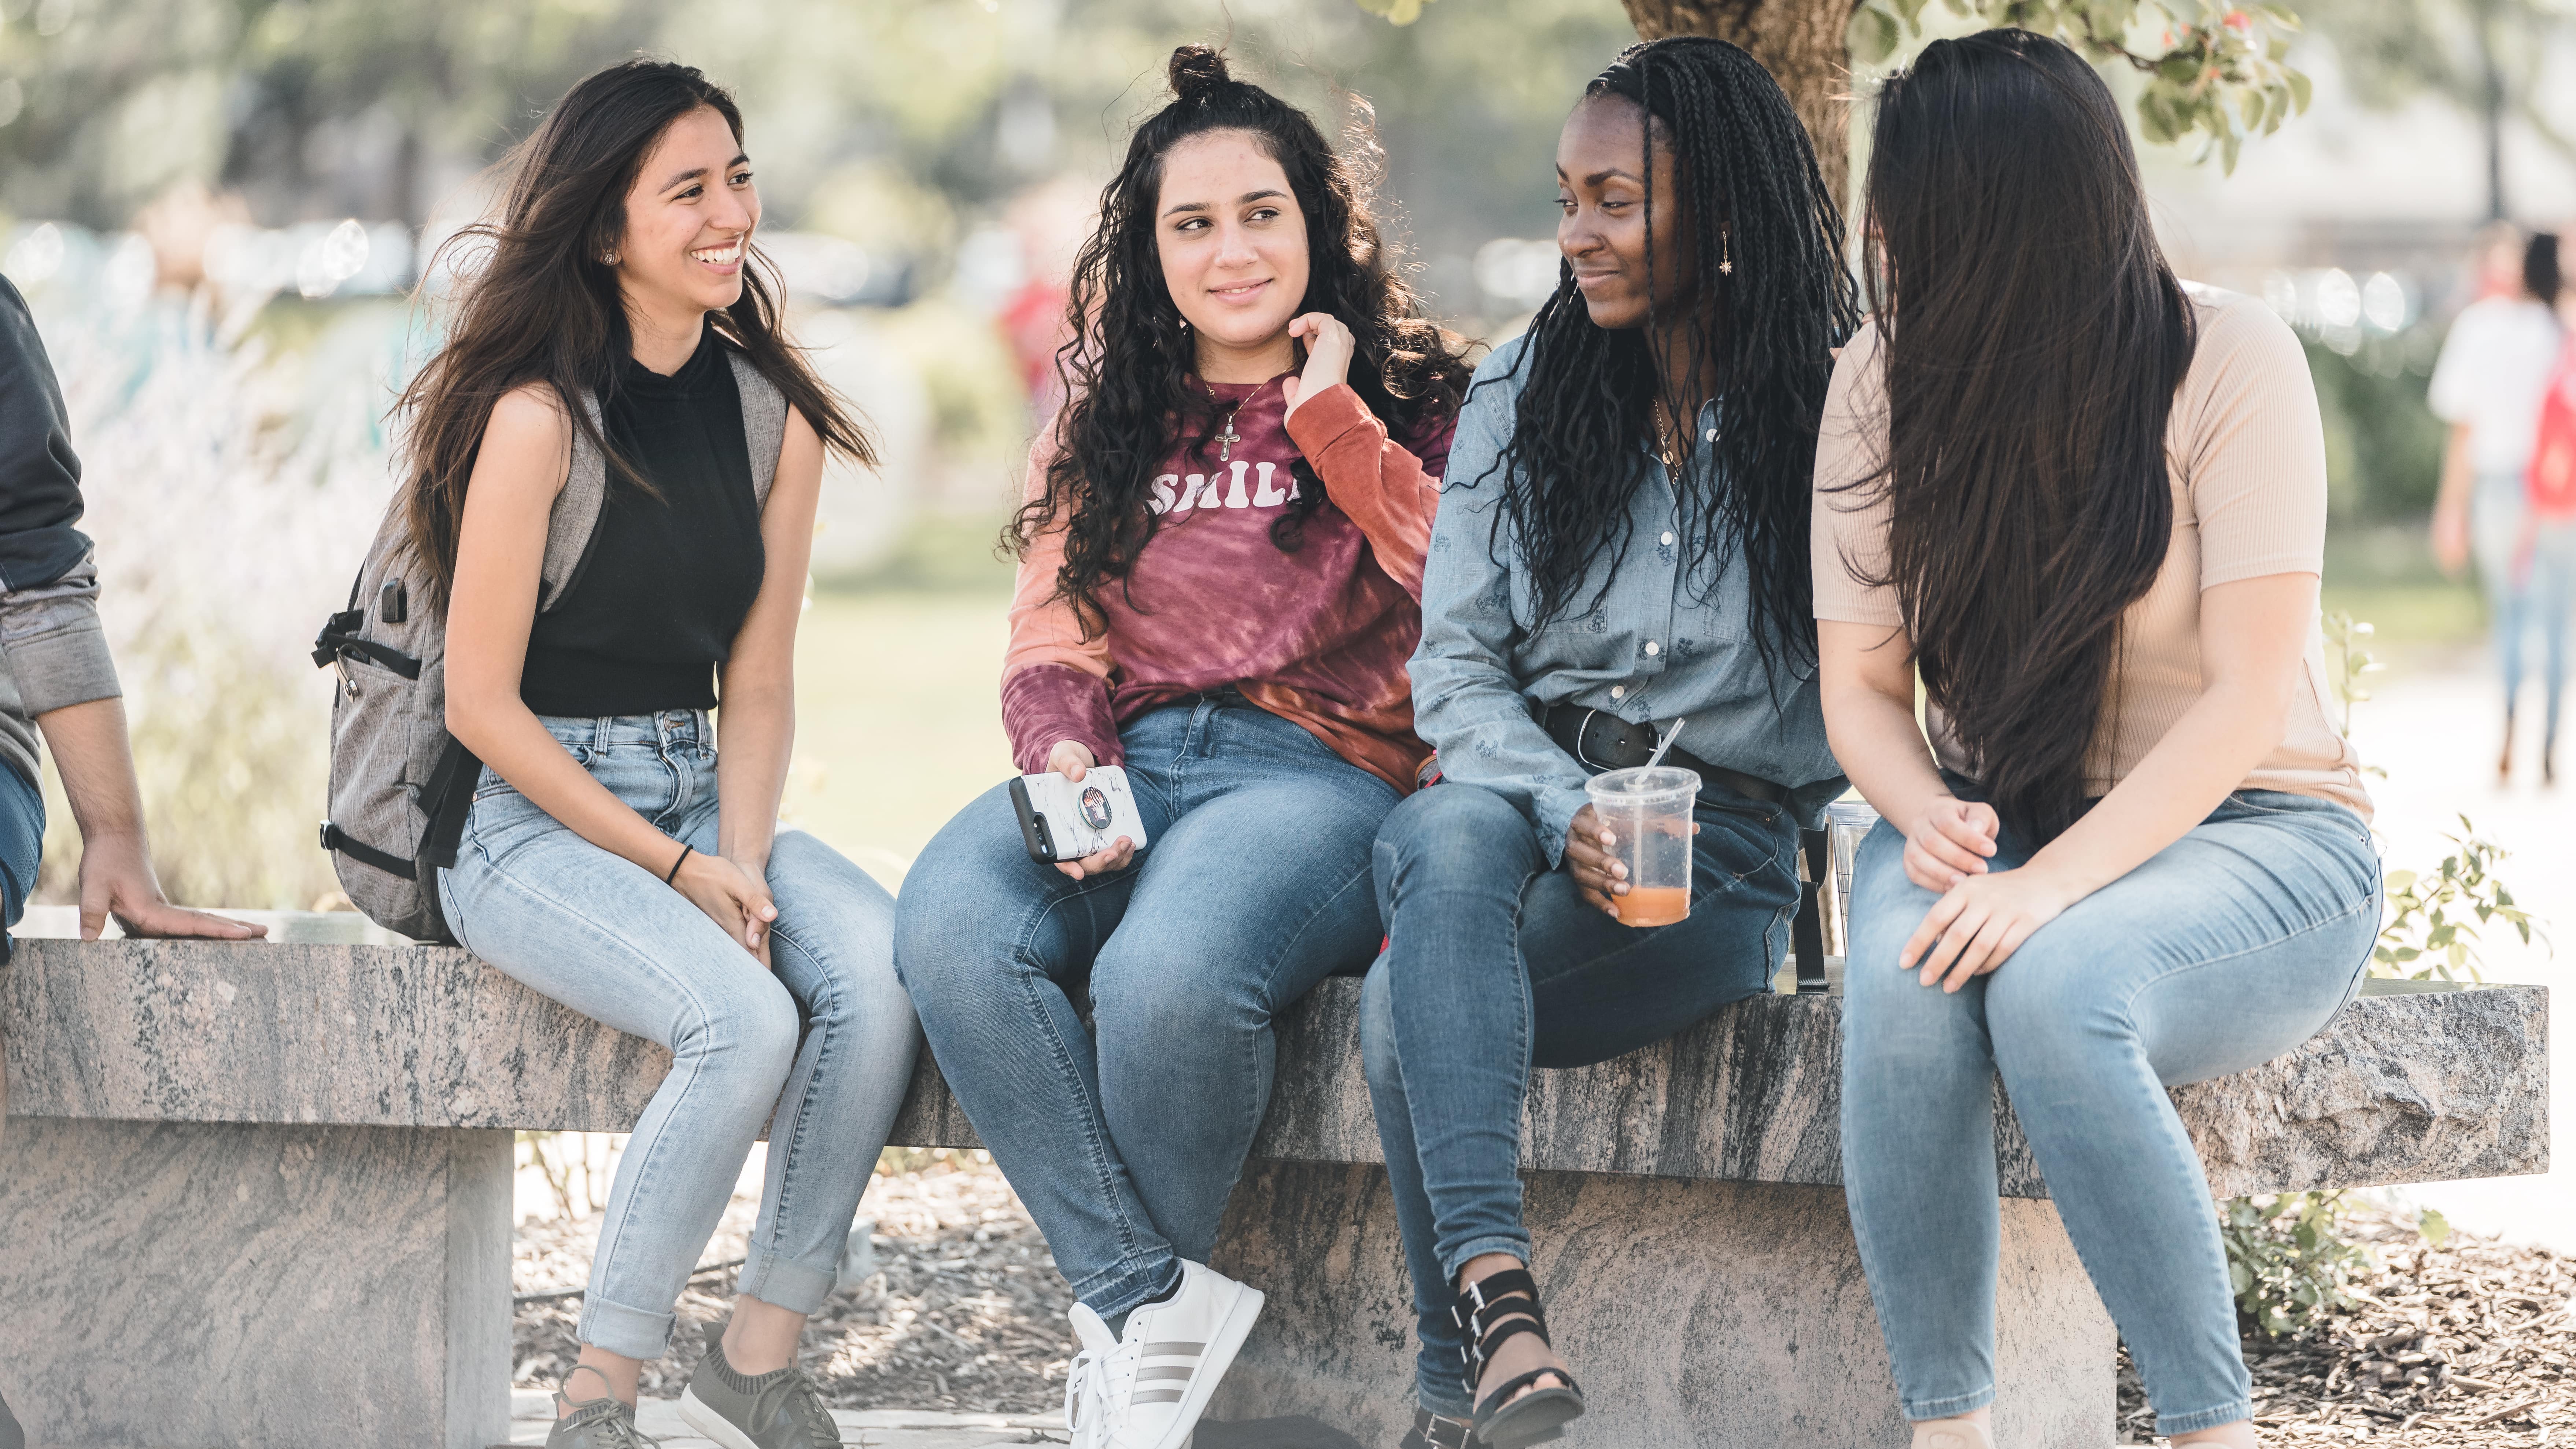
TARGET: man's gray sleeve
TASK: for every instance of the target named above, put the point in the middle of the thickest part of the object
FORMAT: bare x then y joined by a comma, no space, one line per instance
53,646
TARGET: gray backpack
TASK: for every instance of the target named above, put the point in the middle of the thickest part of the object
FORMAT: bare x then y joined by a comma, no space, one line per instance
400,783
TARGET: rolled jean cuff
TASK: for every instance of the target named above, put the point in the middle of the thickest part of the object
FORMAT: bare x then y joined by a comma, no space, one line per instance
1957,1404
784,1282
1130,1283
2169,1425
630,1332
1515,1244
1448,1398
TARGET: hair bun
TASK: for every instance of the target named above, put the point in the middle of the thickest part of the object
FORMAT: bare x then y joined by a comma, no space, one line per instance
1198,70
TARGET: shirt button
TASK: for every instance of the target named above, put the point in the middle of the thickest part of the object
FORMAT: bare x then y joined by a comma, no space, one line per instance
1668,536
1712,435
1653,648
1618,691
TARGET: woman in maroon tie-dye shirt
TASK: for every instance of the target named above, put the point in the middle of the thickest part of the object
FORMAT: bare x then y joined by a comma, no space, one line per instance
1220,584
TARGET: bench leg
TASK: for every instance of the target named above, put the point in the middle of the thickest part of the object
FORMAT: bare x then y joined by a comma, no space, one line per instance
1731,1315
210,1285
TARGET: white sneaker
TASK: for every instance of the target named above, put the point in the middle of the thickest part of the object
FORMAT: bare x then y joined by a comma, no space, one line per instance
1147,1389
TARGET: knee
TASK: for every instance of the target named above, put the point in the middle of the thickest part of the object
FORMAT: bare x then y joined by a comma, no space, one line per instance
743,1017
837,918
1448,831
1179,1004
2051,1012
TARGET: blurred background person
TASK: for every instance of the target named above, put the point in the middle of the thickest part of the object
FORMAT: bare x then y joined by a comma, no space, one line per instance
2494,370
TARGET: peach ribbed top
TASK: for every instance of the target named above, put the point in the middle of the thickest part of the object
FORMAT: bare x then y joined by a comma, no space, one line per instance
2249,499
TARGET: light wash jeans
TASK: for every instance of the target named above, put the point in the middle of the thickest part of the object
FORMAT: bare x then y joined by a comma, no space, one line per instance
2530,584
2224,950
1494,966
1125,1133
603,936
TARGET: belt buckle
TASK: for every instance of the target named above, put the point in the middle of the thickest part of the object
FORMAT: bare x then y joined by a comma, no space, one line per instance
1583,741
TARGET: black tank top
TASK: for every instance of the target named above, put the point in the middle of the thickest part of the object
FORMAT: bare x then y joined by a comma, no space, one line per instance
668,580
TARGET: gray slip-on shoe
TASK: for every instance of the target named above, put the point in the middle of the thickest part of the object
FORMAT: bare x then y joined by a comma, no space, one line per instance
597,1424
781,1409
11,1436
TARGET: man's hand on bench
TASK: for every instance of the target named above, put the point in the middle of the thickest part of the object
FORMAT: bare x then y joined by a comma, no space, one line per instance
116,880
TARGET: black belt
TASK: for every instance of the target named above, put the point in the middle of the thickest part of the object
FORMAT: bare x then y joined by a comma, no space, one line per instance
1602,741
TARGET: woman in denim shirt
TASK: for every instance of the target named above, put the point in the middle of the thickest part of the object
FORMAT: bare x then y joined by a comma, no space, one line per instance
1598,577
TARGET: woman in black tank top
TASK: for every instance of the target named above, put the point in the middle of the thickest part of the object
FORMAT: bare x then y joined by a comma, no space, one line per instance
667,580
612,859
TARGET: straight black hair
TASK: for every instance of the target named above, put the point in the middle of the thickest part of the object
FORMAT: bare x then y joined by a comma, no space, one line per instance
2542,275
2034,339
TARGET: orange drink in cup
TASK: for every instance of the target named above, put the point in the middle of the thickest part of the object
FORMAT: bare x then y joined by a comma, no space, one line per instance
1648,814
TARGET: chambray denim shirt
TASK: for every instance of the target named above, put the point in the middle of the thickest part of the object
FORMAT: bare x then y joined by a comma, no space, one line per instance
1658,645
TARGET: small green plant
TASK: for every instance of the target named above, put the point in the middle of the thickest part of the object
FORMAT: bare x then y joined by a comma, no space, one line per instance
2434,919
2287,1259
2349,638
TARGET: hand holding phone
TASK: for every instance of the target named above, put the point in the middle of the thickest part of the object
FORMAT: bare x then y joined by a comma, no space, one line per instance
1078,816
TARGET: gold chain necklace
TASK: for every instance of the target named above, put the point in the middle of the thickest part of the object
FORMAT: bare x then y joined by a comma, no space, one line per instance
1667,443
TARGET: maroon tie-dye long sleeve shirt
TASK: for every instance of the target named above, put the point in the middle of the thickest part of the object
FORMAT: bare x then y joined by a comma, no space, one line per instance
1319,636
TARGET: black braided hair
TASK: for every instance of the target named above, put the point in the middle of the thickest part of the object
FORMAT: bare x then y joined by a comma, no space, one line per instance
1585,421
1127,368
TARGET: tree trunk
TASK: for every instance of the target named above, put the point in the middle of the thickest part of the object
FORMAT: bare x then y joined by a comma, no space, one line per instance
1800,41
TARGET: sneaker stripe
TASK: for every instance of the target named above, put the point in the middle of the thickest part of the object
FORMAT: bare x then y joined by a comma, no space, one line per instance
1159,1396
1175,1350
1165,1371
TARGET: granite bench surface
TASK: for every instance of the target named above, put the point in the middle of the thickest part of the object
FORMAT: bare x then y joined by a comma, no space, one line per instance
2404,1086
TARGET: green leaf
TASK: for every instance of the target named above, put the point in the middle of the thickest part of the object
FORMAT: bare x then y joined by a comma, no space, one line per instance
1872,35
2433,1227
2301,89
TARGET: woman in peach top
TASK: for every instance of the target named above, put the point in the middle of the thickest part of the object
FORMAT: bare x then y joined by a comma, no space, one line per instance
2086,503
1220,582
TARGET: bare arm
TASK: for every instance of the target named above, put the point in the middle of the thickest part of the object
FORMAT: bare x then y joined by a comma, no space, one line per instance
2451,505
756,722
116,878
2252,634
500,559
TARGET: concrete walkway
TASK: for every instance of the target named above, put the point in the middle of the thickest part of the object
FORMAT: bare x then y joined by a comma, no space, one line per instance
532,1410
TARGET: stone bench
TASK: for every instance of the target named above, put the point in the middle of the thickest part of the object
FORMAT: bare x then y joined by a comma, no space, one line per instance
260,1194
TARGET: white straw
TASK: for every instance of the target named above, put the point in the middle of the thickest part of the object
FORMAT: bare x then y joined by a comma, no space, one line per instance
1666,743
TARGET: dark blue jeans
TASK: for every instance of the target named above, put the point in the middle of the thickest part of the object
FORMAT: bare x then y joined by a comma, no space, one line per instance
1495,966
22,839
1125,1133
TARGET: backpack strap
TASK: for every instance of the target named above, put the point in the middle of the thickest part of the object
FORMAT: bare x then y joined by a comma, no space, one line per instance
764,422
575,519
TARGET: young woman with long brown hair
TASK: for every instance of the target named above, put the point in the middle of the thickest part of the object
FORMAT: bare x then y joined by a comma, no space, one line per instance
615,317
1221,568
2087,503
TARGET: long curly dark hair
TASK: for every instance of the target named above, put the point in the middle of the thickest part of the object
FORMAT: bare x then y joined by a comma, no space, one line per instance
2034,338
1766,331
1128,367
538,305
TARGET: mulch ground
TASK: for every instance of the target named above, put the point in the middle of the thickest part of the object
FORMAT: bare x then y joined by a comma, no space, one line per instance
2468,1342
965,1313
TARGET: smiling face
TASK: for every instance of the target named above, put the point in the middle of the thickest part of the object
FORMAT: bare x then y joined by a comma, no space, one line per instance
1602,226
689,219
1233,246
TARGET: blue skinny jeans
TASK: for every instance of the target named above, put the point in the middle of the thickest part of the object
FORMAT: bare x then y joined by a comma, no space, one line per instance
601,935
1124,1128
2224,950
1495,966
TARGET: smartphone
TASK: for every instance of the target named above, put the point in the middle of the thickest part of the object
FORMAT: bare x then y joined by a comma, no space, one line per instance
1064,820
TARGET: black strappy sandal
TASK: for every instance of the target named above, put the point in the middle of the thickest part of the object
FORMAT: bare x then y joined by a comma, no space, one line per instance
1432,1431
1502,1421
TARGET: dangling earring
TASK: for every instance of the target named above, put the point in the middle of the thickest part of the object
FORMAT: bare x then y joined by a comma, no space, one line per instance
1725,252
